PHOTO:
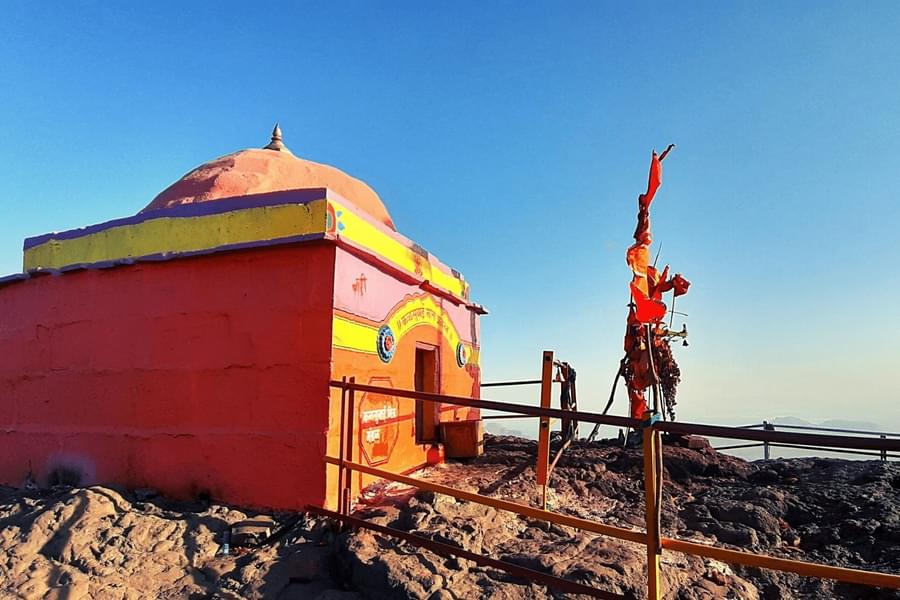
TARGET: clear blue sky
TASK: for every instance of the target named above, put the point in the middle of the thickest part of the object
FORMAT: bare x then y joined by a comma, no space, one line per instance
512,139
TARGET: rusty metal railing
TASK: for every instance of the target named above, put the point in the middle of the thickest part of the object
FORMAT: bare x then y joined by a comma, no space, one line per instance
511,383
653,468
883,455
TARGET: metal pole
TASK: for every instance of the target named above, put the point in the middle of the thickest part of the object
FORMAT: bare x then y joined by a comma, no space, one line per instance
504,383
652,448
655,387
883,452
767,427
342,470
348,483
543,457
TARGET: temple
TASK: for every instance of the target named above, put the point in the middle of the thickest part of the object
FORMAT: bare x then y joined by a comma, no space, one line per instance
189,348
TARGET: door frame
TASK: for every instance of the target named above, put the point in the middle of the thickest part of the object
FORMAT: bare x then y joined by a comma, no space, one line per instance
425,408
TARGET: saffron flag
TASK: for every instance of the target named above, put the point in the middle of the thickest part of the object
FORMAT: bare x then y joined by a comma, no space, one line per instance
647,310
654,180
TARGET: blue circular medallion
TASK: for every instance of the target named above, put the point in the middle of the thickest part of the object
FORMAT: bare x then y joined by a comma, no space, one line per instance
386,343
462,355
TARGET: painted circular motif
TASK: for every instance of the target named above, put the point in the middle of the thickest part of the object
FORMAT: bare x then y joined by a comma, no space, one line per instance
387,343
330,219
462,355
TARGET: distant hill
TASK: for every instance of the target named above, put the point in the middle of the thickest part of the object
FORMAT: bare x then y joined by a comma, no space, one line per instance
844,424
833,423
790,421
496,428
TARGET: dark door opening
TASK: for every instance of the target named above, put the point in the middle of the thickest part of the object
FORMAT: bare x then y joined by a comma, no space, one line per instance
427,379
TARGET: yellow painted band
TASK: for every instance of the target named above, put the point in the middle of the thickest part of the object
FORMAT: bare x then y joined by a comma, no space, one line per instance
351,335
415,312
176,235
171,236
423,310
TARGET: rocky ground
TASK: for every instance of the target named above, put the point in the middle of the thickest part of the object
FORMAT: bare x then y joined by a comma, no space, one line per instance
99,543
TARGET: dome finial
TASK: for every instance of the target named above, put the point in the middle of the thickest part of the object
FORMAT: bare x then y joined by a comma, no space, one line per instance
275,143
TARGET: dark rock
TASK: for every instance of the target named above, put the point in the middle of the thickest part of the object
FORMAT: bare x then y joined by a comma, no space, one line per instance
736,535
765,477
144,494
252,532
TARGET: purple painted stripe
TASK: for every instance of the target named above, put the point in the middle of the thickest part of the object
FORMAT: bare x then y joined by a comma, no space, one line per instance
161,257
197,209
13,278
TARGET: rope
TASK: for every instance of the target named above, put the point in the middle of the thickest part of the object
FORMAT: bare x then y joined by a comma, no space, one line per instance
612,396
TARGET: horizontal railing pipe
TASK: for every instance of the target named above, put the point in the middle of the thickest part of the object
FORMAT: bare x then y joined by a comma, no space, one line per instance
836,430
834,450
738,446
631,535
534,411
505,383
779,437
489,417
808,569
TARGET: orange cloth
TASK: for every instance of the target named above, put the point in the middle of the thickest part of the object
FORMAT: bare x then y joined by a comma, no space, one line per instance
647,310
653,181
638,258
638,403
680,284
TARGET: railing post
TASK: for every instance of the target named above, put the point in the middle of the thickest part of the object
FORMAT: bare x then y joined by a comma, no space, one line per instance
653,492
346,493
543,457
766,448
883,452
342,470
